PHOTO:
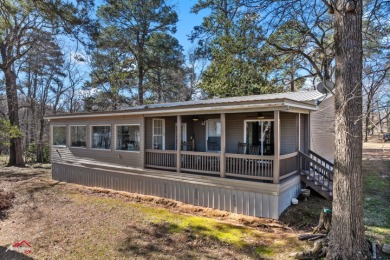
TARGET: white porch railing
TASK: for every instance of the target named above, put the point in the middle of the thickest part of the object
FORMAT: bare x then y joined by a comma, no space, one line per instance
201,162
237,165
161,159
249,166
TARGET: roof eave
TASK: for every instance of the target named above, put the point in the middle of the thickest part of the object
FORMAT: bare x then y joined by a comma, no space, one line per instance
280,104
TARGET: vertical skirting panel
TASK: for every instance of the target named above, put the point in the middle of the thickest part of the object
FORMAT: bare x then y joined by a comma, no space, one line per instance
286,196
227,199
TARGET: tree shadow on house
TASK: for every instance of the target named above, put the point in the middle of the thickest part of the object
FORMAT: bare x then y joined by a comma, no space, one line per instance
12,255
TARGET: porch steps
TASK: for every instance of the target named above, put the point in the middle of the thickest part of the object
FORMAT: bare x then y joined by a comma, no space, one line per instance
318,183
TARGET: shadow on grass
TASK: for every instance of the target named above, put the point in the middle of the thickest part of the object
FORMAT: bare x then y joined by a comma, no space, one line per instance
148,242
12,255
167,239
43,187
13,177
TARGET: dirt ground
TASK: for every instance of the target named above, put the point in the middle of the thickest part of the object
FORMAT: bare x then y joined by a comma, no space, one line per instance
68,221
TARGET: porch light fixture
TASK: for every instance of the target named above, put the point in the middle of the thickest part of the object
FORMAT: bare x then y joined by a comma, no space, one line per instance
260,115
195,118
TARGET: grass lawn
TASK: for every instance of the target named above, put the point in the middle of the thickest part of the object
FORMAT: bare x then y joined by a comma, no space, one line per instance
376,167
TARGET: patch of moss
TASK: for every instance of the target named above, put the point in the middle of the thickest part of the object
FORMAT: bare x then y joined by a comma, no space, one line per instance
380,235
264,251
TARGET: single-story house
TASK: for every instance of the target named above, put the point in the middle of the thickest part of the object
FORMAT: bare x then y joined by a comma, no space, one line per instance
246,155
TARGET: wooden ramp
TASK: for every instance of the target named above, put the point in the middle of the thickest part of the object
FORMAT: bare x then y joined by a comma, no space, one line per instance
317,173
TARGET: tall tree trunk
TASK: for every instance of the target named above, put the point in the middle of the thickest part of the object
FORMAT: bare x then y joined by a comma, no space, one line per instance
347,239
141,85
379,117
292,73
40,145
367,119
159,86
15,150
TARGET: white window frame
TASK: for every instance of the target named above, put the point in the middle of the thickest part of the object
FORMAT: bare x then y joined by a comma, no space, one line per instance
66,136
256,120
163,132
70,137
90,137
116,136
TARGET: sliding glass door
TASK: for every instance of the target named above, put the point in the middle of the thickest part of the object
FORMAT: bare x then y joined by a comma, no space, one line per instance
259,137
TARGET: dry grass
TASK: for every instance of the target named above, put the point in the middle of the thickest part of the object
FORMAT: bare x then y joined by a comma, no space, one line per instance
74,222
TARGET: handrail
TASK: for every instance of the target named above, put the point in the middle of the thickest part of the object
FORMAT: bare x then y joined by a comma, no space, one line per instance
321,158
201,153
160,151
249,156
289,155
316,163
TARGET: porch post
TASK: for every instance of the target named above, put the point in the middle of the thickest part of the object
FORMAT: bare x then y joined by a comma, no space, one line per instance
298,132
143,142
276,146
178,144
223,145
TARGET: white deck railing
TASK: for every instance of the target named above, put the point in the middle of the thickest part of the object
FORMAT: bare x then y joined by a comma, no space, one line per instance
249,166
161,159
201,162
237,165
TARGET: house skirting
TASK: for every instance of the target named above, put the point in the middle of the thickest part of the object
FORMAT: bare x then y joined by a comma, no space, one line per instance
257,199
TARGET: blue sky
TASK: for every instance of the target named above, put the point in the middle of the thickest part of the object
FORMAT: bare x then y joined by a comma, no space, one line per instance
186,23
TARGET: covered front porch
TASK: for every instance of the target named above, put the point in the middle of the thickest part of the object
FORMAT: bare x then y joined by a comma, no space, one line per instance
258,146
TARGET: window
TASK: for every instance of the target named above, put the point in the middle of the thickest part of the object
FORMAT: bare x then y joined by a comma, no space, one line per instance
101,137
127,137
78,136
159,134
59,135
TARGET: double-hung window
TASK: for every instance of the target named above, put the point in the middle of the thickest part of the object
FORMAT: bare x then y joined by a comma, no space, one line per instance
158,134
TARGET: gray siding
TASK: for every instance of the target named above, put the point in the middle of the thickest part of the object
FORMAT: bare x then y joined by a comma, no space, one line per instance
322,129
234,131
208,193
78,155
288,133
304,133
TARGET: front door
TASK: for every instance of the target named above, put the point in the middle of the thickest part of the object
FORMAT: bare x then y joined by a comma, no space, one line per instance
213,135
260,134
183,133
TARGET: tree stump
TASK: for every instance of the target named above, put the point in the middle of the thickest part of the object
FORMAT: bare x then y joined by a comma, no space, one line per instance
324,223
